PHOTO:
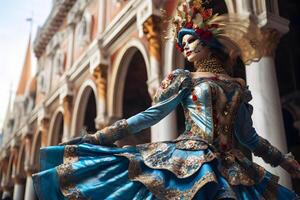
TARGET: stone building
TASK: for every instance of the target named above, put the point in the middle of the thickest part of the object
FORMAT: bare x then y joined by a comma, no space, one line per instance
102,60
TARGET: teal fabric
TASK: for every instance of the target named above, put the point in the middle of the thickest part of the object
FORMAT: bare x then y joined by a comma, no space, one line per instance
100,172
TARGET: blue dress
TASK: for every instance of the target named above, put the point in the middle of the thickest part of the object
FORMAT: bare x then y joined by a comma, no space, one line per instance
202,163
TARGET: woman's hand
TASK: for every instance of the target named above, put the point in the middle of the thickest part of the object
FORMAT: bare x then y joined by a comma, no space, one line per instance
85,138
88,138
291,165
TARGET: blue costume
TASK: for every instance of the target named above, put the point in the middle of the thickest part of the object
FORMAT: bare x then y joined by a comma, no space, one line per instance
202,163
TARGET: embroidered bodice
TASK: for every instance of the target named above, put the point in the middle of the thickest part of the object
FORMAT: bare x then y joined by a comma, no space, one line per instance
210,109
216,109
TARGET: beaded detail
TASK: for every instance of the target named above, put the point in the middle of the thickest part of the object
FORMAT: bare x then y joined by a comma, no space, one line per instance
210,65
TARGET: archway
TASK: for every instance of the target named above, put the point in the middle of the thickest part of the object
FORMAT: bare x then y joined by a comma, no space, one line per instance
35,151
56,129
136,97
90,113
85,109
11,171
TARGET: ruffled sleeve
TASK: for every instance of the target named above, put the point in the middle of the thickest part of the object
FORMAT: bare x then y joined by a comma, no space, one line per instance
170,93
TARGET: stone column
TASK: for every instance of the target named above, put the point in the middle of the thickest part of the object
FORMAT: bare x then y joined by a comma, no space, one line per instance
100,77
43,125
44,129
19,188
29,190
67,104
66,100
152,31
267,115
6,193
166,129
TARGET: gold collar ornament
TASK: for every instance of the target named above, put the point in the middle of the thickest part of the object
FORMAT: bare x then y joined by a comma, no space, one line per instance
210,64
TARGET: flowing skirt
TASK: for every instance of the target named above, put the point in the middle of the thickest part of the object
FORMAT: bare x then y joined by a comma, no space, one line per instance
95,172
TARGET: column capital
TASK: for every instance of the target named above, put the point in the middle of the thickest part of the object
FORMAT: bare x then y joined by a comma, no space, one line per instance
270,40
66,90
27,131
152,30
100,77
29,170
19,179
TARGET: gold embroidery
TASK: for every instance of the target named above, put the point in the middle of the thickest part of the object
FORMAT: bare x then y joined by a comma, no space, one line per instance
191,145
157,187
193,131
271,189
67,186
234,172
160,156
70,154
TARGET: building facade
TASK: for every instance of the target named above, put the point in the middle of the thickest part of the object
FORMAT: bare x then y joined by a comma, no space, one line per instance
102,60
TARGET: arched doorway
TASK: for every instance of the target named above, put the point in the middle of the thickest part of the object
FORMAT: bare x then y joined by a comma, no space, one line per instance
85,110
90,113
35,152
57,127
136,97
11,171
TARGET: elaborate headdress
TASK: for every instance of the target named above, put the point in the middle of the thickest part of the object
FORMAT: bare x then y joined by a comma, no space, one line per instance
237,31
193,18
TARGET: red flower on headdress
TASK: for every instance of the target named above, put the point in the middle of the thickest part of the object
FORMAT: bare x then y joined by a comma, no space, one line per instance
206,14
204,34
189,25
207,35
179,47
199,31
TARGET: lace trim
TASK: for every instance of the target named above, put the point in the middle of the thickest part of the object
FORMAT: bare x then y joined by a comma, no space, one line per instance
65,172
159,156
157,187
70,154
239,170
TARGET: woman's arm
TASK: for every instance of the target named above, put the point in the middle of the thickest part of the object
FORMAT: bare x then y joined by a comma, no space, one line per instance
170,93
140,121
247,135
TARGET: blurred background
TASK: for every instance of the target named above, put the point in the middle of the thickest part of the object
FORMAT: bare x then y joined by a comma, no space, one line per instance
68,65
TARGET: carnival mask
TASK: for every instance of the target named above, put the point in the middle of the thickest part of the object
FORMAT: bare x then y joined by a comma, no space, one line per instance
193,48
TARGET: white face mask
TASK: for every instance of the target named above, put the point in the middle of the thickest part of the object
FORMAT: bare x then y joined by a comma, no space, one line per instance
192,48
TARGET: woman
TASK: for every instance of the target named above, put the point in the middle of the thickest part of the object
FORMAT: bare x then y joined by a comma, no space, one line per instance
202,163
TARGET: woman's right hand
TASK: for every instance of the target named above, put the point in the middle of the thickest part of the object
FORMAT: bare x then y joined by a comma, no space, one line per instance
85,138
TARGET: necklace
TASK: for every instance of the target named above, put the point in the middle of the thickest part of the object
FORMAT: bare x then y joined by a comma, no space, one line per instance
210,65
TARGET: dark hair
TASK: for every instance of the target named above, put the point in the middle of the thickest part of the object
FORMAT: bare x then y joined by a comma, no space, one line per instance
220,54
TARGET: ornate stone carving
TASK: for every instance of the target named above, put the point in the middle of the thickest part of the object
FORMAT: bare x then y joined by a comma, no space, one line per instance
41,82
100,77
83,32
59,62
152,31
270,39
43,124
